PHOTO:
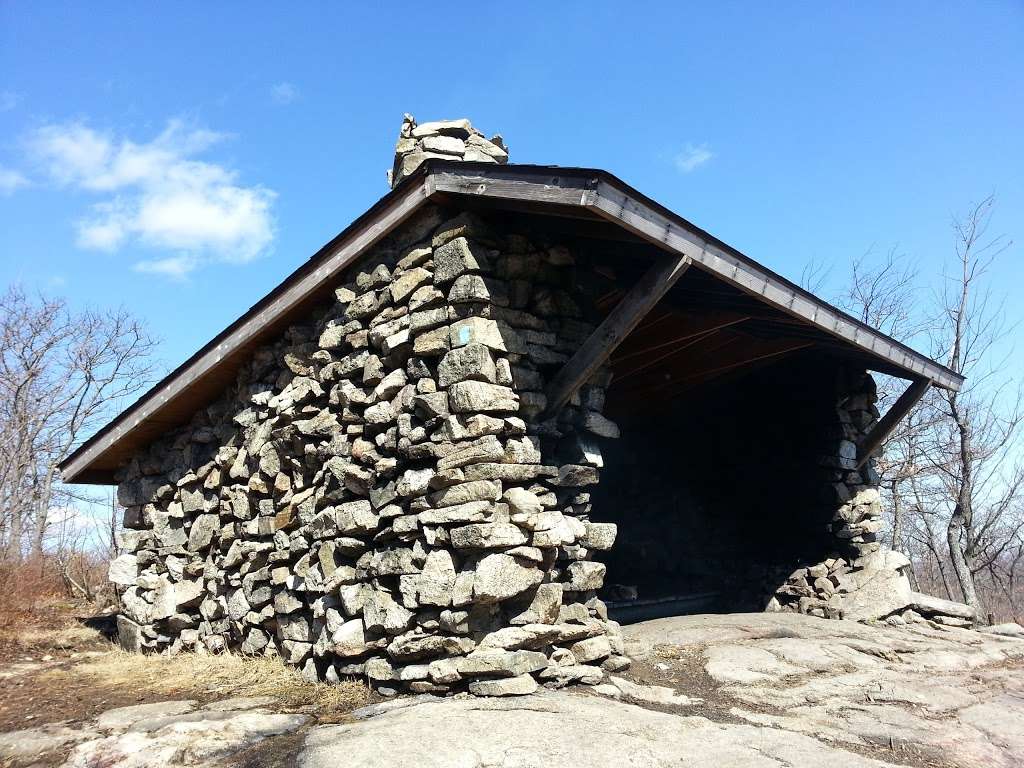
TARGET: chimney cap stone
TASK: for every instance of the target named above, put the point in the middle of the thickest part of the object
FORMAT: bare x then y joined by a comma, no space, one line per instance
445,139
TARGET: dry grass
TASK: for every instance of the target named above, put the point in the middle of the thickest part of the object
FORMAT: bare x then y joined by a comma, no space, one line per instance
84,670
664,651
220,676
60,638
56,634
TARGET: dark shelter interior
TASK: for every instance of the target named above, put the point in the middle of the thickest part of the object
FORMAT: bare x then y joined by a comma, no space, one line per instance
718,495
720,479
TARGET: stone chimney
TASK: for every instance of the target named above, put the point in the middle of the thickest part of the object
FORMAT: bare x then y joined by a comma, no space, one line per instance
446,139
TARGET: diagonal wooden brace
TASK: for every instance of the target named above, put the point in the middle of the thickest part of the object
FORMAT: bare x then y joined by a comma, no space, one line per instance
626,315
903,405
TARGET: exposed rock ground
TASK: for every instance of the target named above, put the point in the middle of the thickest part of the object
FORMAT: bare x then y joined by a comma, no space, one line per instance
937,695
736,691
155,735
733,690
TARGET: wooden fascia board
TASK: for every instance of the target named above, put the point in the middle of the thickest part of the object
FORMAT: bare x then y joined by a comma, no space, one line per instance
395,211
560,186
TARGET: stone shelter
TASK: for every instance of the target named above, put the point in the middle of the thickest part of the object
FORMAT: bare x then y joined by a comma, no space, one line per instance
506,405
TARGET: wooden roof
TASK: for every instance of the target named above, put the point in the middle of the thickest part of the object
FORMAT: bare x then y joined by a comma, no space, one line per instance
585,201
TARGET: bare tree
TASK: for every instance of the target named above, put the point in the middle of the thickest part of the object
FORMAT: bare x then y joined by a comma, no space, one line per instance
951,470
61,374
973,445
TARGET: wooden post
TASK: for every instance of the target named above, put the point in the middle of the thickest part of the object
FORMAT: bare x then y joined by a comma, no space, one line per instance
903,405
626,315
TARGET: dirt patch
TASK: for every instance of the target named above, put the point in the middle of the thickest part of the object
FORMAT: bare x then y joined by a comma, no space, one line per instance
59,630
682,668
59,693
55,642
276,752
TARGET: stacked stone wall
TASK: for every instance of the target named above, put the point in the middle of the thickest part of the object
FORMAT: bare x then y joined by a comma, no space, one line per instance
379,495
822,588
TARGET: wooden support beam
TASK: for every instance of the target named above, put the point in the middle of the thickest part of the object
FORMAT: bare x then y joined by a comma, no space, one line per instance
903,405
626,315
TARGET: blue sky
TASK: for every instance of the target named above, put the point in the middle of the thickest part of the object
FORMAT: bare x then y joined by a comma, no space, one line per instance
182,159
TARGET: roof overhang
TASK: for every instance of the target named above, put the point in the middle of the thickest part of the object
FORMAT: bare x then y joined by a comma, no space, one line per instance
579,193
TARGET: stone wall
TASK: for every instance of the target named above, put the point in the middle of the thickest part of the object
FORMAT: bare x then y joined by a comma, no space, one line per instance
860,579
821,588
377,494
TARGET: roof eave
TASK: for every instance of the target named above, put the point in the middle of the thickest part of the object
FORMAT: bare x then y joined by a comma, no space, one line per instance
597,192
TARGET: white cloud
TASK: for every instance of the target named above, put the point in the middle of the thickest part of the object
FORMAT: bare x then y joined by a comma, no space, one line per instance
692,157
158,195
284,93
173,266
10,181
9,100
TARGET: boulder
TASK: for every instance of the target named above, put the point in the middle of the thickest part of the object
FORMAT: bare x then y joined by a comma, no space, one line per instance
585,575
454,258
542,608
869,595
512,686
204,528
493,662
487,536
437,579
477,490
123,570
930,606
381,613
522,502
471,362
500,576
479,330
479,396
407,282
349,639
